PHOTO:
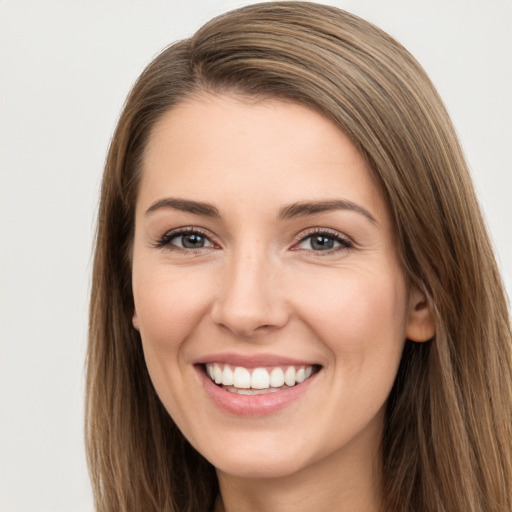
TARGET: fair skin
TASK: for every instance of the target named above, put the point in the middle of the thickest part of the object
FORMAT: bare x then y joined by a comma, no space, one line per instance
256,282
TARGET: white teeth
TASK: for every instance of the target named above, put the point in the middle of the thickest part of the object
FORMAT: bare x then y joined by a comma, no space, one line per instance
289,376
244,392
277,377
258,378
227,376
251,391
241,378
217,374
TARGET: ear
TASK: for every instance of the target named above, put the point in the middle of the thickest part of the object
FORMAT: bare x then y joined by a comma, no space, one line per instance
135,320
420,321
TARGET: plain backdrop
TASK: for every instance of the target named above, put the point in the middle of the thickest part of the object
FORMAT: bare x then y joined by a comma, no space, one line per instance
65,69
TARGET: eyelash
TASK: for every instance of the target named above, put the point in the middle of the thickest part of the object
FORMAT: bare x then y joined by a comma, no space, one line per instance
345,243
166,239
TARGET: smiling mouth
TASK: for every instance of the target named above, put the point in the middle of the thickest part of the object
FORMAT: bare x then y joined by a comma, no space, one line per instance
258,381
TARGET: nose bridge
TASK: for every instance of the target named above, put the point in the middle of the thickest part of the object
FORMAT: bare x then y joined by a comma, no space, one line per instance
249,298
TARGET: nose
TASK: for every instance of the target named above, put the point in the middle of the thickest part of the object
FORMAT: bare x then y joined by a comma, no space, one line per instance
250,300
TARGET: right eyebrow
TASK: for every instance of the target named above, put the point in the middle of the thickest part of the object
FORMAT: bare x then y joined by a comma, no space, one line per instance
303,209
185,205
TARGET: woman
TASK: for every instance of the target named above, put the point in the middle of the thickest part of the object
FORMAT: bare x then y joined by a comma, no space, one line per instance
295,302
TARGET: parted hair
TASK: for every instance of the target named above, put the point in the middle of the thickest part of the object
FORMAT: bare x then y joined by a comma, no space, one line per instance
447,436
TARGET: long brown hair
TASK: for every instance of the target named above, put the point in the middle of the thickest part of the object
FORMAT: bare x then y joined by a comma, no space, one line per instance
447,438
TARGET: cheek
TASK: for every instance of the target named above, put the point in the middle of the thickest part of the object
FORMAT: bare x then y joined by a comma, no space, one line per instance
359,315
168,309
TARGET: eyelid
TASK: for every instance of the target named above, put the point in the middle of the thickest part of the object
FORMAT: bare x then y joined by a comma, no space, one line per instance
347,242
165,240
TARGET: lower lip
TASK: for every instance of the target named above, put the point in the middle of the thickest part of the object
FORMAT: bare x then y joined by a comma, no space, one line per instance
253,405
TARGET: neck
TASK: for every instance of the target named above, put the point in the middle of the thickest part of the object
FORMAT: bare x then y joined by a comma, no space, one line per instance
345,481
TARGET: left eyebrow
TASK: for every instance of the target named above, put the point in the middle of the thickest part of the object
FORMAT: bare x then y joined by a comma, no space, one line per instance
184,205
303,209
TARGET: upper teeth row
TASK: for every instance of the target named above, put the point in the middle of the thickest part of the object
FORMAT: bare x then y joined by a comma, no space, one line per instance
260,378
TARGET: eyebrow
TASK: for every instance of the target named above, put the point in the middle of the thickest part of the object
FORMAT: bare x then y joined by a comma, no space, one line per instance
185,205
300,209
303,209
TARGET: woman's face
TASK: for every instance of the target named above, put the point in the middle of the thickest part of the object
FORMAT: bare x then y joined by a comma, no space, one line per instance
264,252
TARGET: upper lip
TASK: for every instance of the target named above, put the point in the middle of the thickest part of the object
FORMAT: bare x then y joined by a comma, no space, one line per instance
253,360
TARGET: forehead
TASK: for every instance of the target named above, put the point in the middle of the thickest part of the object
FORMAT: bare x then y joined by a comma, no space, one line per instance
213,147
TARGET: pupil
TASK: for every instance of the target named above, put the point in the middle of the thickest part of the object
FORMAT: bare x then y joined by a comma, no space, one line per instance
322,243
193,241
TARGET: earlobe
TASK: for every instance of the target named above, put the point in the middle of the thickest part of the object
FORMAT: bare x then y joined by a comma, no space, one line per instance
420,322
135,320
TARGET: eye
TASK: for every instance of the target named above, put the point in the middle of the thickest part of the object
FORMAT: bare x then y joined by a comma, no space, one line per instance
319,241
189,238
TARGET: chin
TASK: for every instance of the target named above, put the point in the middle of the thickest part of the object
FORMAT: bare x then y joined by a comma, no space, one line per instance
261,466
264,459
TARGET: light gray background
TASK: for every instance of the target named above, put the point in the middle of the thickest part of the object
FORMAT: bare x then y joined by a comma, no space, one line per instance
65,68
